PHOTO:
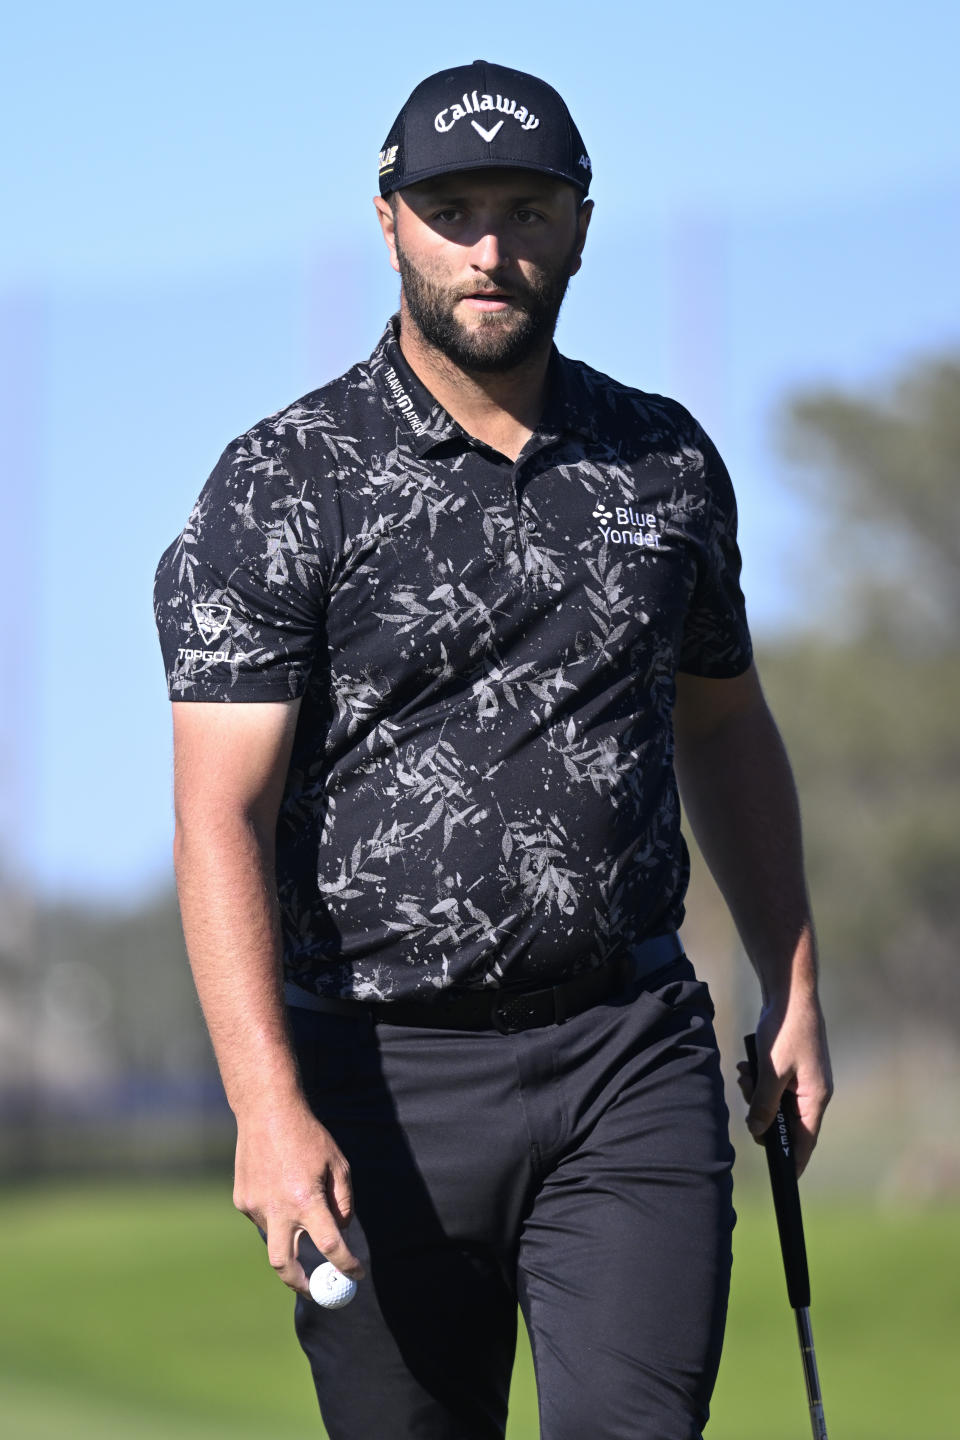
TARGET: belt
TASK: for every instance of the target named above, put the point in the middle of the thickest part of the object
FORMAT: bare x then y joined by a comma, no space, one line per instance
507,1009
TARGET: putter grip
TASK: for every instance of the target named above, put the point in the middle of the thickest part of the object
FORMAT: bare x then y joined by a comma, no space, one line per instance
778,1143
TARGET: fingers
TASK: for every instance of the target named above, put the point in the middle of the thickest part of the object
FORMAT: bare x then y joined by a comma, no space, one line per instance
762,1094
804,1143
762,1114
339,1193
802,1091
291,1178
328,1218
327,1236
764,1101
812,1100
283,1242
321,1216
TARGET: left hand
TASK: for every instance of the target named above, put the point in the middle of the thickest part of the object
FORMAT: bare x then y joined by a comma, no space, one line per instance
792,1055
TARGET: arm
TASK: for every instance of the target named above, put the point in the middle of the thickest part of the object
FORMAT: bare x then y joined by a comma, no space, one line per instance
738,791
230,764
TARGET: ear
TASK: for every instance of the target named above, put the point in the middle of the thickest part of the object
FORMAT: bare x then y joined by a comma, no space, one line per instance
583,225
388,225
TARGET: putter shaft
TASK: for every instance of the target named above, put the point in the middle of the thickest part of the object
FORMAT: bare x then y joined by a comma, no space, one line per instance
778,1144
810,1374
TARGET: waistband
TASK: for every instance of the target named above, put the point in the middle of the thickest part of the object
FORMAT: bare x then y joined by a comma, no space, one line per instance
507,1009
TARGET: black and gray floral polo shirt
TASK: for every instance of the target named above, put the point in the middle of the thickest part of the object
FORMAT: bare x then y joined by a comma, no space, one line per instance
481,789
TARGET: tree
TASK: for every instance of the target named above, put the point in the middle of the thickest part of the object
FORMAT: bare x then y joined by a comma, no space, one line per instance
868,701
883,473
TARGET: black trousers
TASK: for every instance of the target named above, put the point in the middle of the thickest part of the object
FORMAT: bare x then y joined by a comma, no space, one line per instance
583,1169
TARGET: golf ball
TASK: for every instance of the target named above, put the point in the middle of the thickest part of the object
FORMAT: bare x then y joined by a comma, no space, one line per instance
331,1288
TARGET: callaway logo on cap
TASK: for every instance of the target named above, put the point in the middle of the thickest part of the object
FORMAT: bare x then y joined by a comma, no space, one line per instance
479,116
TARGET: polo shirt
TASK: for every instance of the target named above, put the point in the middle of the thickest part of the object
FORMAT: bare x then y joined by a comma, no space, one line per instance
481,789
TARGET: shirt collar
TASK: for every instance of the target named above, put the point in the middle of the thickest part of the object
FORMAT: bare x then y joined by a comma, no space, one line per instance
568,409
425,420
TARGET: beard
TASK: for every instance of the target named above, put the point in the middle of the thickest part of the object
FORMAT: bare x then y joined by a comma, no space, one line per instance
502,340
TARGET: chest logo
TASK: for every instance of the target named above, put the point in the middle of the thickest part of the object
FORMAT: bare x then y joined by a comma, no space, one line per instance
631,527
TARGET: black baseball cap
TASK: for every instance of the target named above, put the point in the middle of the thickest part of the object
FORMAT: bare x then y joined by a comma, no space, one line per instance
478,116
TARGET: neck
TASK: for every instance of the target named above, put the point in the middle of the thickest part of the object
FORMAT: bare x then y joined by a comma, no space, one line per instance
501,408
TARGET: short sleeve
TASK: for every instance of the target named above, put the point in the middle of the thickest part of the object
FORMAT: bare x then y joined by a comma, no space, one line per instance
239,595
716,637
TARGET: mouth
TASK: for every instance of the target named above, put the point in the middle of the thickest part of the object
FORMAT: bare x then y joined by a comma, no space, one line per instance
487,301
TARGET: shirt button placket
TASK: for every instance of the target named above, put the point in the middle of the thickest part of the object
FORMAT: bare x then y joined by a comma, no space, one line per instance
528,528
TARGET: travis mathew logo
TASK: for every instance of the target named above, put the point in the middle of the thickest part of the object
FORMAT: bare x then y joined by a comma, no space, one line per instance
474,104
404,404
632,528
211,620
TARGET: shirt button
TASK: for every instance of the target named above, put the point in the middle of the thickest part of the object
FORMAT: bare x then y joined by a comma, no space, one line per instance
532,526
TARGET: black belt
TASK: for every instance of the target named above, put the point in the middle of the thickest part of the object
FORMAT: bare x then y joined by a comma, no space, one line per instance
506,1010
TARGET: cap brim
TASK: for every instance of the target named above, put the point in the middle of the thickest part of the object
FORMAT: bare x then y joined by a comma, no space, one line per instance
433,171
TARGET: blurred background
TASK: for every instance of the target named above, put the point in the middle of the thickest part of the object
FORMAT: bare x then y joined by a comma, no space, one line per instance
190,244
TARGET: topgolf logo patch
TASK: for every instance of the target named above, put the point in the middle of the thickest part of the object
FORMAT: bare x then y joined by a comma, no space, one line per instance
211,620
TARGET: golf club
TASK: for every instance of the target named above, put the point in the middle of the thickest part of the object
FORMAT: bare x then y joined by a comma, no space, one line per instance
778,1144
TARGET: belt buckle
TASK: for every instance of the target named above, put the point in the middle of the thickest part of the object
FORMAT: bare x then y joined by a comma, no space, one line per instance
513,1012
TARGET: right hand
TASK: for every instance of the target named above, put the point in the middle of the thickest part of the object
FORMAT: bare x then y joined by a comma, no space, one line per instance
291,1177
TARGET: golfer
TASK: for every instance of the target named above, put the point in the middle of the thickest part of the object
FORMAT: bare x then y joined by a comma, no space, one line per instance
442,637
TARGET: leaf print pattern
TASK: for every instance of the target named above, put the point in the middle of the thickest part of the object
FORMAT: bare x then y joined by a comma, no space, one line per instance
542,848
602,765
481,789
435,778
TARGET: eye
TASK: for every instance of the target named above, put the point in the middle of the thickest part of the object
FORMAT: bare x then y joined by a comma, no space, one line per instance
448,216
527,217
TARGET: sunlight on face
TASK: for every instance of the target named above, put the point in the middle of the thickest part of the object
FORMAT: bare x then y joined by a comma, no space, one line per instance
485,262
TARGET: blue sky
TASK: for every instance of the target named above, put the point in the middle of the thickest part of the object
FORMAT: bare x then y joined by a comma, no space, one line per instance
193,245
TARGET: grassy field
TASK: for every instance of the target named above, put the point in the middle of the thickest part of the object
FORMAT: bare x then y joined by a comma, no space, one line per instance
134,1313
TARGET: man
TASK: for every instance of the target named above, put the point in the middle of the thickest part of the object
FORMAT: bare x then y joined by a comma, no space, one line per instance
471,597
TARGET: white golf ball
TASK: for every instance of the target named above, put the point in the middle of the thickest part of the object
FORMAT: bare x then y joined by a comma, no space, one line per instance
330,1287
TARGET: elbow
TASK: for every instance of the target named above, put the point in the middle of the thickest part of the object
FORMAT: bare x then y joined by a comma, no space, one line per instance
204,835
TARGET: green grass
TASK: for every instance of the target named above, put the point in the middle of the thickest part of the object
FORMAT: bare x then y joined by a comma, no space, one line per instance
134,1313
886,1320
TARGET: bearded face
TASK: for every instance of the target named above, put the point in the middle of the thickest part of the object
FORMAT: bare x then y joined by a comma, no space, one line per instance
494,320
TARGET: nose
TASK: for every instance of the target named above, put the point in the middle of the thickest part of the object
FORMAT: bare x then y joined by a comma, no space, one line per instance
489,253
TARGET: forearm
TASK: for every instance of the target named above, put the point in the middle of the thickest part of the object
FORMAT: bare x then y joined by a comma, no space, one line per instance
230,767
738,789
739,794
228,904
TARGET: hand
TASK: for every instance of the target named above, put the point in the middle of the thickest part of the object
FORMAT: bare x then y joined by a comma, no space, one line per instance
291,1177
791,1055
